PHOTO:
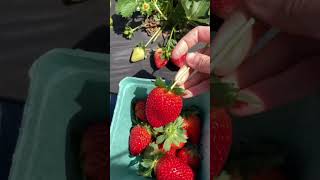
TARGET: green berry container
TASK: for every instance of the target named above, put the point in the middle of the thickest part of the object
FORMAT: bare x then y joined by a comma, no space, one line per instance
137,88
68,91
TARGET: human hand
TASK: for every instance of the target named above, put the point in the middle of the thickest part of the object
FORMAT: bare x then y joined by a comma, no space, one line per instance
286,69
199,61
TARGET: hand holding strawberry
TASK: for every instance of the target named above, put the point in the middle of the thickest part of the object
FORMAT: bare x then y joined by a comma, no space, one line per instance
199,61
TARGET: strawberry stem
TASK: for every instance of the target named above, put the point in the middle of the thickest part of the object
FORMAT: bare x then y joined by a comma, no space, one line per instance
178,78
154,35
158,9
219,56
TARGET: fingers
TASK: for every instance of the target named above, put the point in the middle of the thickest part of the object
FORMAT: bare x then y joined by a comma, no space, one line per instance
200,88
281,52
196,35
293,84
196,79
295,16
199,62
230,47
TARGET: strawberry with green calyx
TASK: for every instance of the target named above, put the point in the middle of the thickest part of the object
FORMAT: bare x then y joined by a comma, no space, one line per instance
140,138
140,110
159,58
138,53
164,104
149,159
189,154
192,124
173,136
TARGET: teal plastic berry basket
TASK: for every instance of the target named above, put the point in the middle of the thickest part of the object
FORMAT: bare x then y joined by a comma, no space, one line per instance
137,88
68,92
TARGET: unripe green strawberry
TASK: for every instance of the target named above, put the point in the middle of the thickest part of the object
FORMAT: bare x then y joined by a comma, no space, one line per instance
138,54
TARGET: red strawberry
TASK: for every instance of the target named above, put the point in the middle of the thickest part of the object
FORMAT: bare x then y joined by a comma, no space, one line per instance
220,140
192,125
172,168
189,156
140,138
159,60
164,104
223,8
140,110
179,61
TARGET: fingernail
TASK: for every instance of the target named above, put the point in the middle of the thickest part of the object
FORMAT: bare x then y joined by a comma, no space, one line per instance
187,94
247,104
190,59
180,50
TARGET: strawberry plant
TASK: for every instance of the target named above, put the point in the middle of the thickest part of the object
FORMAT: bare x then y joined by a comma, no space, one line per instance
172,18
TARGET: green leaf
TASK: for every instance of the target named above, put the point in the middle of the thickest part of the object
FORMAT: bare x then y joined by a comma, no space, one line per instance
159,129
135,161
196,10
147,163
160,83
178,91
178,11
126,8
167,145
160,139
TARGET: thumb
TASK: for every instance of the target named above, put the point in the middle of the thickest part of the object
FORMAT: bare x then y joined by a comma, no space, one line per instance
292,16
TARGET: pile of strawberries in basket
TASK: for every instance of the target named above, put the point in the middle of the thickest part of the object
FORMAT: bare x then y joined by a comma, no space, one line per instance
164,139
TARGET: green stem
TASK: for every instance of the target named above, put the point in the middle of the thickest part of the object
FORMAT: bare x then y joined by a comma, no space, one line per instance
157,36
173,29
154,35
158,9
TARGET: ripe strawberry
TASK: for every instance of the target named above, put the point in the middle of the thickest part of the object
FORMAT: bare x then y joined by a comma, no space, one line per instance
223,8
173,136
164,104
138,54
190,156
140,137
192,125
159,60
220,139
179,61
172,168
140,110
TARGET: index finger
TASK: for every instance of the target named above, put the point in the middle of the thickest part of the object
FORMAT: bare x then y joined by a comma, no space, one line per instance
196,35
